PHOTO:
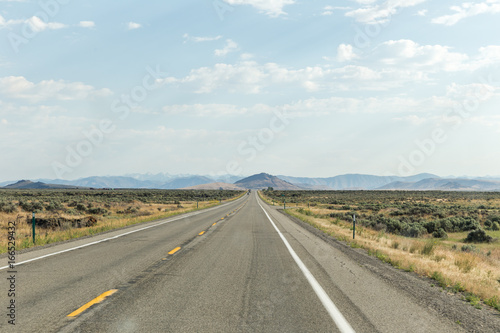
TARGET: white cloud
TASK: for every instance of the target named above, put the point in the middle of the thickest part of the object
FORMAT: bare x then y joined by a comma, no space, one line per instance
365,2
249,77
412,119
86,24
345,53
474,91
415,111
246,56
20,88
390,65
246,76
468,9
133,25
487,121
230,46
433,58
327,11
411,55
4,122
422,12
187,37
372,13
330,10
206,110
37,24
272,8
488,55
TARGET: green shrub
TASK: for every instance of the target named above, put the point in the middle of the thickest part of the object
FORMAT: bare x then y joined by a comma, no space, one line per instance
31,206
97,211
478,236
473,300
493,302
53,206
81,207
7,207
458,287
468,248
440,234
440,279
415,231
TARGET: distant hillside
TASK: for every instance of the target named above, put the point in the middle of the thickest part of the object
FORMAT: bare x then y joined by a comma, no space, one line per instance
215,186
264,180
186,182
29,185
424,181
153,181
353,181
445,185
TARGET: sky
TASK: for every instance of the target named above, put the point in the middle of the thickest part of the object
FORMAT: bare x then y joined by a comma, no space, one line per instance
313,88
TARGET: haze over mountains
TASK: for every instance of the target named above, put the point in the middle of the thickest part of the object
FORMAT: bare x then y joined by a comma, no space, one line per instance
423,181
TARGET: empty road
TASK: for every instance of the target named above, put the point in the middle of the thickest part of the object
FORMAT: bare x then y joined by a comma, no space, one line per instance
239,267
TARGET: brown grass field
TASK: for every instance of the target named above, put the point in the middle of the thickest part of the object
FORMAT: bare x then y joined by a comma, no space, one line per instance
473,269
115,213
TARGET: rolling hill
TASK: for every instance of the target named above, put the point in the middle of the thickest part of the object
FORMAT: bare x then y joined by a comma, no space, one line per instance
29,185
264,180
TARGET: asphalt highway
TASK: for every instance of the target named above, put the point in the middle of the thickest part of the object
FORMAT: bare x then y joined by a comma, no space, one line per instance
239,267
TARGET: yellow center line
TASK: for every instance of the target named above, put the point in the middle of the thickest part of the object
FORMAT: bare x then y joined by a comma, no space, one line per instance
201,233
174,250
214,224
96,300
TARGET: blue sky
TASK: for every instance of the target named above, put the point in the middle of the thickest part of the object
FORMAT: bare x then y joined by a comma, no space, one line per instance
301,88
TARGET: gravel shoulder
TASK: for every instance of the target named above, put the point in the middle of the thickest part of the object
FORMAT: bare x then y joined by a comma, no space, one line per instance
447,305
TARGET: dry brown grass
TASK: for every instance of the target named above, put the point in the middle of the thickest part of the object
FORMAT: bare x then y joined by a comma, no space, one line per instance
476,272
144,213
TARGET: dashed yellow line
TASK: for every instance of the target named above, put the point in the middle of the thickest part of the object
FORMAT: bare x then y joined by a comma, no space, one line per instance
214,224
96,300
201,233
174,250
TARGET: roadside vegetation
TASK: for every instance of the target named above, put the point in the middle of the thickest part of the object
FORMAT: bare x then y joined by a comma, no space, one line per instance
451,237
66,214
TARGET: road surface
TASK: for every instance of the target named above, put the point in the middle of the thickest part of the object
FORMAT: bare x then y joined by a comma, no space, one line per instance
239,267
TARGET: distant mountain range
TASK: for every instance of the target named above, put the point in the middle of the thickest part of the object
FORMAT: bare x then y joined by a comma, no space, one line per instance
353,181
216,186
424,181
445,185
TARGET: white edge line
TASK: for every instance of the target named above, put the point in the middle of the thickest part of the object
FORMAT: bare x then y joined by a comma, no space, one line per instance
117,236
330,307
